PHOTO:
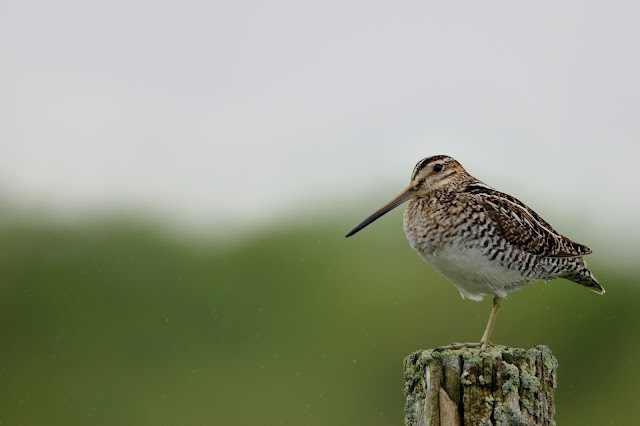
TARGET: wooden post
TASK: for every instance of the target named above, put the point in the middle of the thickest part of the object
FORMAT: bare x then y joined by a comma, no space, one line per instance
495,386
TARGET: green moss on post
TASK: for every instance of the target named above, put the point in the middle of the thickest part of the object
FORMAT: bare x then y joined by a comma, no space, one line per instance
496,386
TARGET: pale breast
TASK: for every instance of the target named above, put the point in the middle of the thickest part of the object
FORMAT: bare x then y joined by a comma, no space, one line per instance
460,242
473,273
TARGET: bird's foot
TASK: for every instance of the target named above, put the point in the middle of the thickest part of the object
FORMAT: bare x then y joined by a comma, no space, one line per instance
456,345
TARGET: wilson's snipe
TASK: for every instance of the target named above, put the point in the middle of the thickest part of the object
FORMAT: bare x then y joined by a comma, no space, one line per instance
482,240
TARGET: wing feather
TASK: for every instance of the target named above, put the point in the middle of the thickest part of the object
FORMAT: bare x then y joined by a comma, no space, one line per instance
523,227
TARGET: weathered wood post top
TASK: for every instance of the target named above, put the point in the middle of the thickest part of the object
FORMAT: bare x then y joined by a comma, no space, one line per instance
495,386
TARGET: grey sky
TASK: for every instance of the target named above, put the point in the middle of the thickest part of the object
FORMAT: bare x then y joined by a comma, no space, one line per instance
234,112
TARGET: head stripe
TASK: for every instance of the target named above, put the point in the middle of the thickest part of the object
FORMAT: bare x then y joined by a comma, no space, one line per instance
425,162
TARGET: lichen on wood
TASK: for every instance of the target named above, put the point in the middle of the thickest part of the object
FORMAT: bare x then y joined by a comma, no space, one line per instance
495,386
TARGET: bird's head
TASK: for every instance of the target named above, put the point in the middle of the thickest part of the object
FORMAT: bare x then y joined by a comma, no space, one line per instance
429,175
435,173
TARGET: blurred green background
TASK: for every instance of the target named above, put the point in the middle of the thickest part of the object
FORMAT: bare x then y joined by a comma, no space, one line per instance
176,180
127,322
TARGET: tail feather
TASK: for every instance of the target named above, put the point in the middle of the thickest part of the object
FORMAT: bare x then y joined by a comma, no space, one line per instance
584,277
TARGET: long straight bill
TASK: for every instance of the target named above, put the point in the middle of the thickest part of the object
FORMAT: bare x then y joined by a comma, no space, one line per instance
400,198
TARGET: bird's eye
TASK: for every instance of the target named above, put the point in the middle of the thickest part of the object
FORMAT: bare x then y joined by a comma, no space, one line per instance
437,168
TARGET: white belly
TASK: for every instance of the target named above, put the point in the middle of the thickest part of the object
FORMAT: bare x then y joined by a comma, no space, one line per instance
473,273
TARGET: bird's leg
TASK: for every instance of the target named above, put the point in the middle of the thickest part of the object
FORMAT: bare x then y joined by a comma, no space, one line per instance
497,302
484,342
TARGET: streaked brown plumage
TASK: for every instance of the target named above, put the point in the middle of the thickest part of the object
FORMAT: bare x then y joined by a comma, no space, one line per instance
482,240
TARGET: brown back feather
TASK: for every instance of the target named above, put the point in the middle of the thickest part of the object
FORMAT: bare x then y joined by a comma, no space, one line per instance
523,227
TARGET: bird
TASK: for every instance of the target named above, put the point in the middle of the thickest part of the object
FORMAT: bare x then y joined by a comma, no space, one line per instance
484,241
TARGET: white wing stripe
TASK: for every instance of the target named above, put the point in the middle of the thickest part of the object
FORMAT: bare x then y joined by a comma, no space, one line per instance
524,210
516,217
